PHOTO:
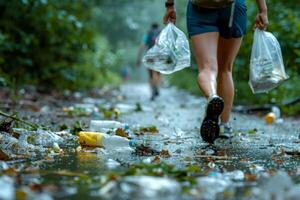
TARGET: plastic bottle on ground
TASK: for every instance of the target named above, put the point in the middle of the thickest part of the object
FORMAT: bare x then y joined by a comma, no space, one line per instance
100,125
115,141
136,143
276,111
109,142
92,139
270,118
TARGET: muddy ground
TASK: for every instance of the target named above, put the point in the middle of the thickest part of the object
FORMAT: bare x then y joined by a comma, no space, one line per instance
247,166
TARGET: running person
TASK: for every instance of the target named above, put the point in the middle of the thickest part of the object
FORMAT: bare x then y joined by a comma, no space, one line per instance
216,36
149,42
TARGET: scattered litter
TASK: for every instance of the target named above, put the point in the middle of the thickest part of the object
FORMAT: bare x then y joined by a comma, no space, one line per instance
164,120
92,139
115,142
110,113
56,148
146,151
211,165
111,164
11,147
142,187
270,118
125,108
165,153
76,111
280,186
179,133
156,160
236,175
146,130
106,125
255,169
3,165
212,187
25,143
7,188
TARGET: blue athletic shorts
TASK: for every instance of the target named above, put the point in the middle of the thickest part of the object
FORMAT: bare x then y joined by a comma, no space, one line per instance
202,20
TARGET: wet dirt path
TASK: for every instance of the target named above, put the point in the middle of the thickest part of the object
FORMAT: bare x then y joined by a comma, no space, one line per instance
256,152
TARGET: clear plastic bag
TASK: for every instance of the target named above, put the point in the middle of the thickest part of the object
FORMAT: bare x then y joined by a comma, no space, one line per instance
266,64
170,53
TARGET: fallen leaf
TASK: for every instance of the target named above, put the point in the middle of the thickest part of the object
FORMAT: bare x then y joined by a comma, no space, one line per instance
3,155
143,150
252,131
138,107
165,153
250,177
156,160
6,126
121,132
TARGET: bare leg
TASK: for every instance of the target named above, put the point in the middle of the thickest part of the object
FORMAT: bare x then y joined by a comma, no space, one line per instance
154,83
227,52
156,78
205,50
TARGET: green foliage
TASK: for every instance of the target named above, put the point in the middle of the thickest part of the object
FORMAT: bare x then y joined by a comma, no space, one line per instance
187,80
49,43
76,128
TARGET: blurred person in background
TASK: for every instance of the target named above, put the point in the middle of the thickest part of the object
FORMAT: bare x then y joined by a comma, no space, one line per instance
147,43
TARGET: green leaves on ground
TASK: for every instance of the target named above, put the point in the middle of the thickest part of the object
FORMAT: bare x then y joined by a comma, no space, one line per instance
77,112
147,129
187,175
110,113
77,127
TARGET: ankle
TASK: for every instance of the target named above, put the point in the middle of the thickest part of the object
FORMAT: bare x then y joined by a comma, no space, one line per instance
211,97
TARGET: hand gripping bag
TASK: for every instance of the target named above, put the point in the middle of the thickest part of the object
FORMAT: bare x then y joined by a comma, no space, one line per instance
266,63
170,53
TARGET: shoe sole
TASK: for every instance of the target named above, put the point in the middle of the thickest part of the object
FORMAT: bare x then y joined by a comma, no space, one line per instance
210,129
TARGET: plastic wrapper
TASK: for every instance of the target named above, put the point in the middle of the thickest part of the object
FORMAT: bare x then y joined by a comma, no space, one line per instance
92,139
266,64
170,53
142,187
11,147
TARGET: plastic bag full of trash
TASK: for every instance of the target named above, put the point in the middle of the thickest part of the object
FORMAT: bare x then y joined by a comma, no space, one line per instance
170,53
266,64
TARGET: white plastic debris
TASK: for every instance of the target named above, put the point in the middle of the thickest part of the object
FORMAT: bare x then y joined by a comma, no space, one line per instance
111,164
11,146
56,148
142,187
104,125
210,187
7,191
236,175
40,137
125,108
87,107
278,186
3,165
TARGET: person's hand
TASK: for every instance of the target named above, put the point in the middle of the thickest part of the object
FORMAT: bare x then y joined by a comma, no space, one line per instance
170,15
261,21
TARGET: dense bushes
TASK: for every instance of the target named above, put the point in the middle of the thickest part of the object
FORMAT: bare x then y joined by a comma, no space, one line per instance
49,43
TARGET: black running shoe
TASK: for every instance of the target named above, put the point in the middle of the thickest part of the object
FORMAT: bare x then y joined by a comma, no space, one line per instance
210,126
